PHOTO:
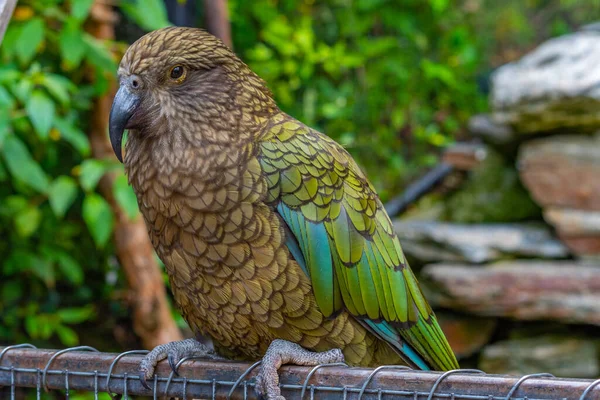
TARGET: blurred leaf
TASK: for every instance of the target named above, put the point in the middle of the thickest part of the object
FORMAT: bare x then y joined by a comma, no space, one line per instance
31,326
67,336
58,87
11,205
61,195
6,102
30,38
99,218
12,292
27,221
439,6
40,109
73,135
18,261
45,326
99,55
22,89
3,173
10,39
9,74
90,173
148,14
5,127
70,268
72,45
125,196
81,8
75,315
103,81
22,166
366,5
21,261
438,71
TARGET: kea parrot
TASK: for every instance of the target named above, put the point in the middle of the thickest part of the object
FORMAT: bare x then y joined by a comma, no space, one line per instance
275,243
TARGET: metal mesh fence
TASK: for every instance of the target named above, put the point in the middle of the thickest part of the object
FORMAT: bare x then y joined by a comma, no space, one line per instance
86,369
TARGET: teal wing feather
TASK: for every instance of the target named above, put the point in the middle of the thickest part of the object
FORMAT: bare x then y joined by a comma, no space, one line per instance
340,234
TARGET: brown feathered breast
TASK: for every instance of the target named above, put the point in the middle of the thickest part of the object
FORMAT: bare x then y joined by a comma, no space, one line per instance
192,162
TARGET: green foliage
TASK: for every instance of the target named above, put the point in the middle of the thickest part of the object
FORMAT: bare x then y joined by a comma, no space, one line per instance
125,196
99,217
52,223
148,14
393,81
24,169
62,194
493,193
510,28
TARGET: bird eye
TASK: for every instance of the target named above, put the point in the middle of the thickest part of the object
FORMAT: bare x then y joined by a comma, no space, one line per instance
177,73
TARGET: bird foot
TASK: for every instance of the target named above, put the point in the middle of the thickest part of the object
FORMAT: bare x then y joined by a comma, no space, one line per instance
173,352
283,352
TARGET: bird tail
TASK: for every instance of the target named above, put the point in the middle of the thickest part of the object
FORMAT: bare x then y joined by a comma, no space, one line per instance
422,346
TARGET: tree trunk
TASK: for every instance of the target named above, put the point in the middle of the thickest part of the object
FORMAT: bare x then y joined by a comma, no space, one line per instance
217,20
152,320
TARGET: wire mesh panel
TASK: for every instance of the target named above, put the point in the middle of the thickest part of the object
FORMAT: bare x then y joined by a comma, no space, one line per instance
84,368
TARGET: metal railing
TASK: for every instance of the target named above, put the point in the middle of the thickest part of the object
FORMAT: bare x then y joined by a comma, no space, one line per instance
84,368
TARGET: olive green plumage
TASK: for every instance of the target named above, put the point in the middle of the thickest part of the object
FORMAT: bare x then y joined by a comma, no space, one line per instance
267,228
345,240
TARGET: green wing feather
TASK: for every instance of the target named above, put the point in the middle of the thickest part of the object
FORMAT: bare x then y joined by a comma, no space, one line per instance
347,243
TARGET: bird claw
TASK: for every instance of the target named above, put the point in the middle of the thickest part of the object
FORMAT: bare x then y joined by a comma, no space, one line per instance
143,380
283,352
173,352
172,363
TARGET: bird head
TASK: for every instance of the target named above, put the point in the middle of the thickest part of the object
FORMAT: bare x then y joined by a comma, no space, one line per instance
173,76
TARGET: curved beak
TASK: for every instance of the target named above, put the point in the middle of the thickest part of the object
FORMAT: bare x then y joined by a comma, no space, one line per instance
123,107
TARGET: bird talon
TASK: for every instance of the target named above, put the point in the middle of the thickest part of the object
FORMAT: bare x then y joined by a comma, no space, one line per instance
172,363
173,352
143,380
283,352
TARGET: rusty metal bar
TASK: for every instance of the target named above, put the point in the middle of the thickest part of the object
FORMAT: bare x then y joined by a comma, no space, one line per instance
77,369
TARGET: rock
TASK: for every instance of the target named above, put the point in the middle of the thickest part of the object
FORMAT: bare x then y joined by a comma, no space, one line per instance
429,241
582,246
485,127
562,171
574,222
564,291
492,193
578,229
555,86
466,334
465,156
562,356
594,26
